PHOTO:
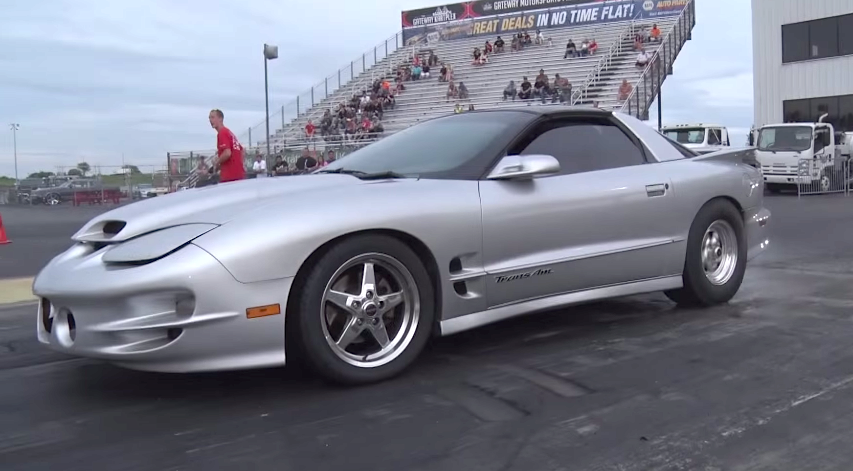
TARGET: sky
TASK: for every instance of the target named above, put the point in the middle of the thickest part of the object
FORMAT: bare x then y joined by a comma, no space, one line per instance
126,82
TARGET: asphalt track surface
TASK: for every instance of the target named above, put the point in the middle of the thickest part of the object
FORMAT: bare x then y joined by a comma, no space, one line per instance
763,383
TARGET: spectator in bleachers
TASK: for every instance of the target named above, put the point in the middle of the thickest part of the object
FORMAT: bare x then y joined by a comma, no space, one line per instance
309,130
416,60
540,85
655,33
463,91
526,91
452,92
305,161
432,60
425,71
477,55
499,45
642,59
398,87
571,49
562,90
386,86
280,166
515,45
326,123
624,90
638,43
540,37
510,90
584,49
471,107
416,72
376,128
442,74
487,48
330,157
259,166
593,46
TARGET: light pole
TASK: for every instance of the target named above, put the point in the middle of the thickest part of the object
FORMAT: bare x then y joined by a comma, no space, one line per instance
270,53
15,127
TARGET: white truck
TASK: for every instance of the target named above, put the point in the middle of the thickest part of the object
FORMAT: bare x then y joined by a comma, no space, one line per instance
802,153
702,138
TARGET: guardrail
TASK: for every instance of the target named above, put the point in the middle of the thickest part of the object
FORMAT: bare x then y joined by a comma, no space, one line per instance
646,87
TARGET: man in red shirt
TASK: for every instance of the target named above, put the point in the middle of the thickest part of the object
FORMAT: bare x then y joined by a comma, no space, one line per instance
229,157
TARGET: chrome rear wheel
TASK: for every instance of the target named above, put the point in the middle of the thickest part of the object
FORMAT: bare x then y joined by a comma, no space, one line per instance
719,252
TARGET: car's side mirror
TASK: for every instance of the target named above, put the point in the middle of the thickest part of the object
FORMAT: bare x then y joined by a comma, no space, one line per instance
517,167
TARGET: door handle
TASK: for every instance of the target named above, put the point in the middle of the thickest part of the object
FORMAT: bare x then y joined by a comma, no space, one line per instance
657,190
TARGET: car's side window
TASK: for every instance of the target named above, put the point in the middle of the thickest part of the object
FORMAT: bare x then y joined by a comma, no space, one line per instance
586,147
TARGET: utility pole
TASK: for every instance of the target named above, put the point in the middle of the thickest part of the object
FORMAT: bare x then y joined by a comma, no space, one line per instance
15,127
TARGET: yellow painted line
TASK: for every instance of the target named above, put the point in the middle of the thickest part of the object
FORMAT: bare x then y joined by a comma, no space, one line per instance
16,290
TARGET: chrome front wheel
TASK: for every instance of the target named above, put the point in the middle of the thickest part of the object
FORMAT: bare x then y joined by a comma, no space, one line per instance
370,310
719,252
363,312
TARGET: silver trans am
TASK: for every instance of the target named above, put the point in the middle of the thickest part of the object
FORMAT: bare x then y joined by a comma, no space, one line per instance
449,225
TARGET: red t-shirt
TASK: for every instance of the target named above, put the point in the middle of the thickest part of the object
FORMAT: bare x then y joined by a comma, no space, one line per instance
232,169
309,129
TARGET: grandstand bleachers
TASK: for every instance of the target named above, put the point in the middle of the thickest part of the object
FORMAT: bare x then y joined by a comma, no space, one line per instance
425,99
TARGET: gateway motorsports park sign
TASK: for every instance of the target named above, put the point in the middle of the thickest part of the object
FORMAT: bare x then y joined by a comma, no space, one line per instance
494,17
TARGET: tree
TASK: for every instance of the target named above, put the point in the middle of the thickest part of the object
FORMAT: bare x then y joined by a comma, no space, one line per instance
134,170
41,174
83,167
74,173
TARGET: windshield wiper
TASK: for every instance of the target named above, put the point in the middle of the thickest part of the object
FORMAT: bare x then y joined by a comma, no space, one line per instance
365,175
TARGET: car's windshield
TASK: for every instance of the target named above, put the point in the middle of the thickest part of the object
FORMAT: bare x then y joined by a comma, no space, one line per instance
449,147
686,135
785,138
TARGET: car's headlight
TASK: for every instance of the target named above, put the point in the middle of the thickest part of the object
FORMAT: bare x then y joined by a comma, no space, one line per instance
153,245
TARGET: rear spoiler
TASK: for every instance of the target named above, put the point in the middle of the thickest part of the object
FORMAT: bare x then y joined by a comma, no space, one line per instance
743,155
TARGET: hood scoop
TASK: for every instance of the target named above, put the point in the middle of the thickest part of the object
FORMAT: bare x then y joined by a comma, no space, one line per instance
101,231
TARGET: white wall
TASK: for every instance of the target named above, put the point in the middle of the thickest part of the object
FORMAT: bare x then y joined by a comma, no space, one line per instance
774,82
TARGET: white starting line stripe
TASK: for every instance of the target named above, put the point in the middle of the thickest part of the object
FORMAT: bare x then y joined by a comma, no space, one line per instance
16,291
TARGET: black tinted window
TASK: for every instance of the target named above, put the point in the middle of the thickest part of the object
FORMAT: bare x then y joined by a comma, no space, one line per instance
460,146
795,42
714,137
582,147
845,34
796,111
823,35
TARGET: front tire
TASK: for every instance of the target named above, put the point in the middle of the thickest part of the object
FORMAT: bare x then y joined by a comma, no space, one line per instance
715,261
365,311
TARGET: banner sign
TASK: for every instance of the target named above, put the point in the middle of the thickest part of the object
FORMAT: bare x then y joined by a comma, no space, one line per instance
459,21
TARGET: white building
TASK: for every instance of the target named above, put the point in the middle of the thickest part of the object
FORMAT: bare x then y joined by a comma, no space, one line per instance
802,61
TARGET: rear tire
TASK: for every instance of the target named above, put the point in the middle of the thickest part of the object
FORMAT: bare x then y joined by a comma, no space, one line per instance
715,262
352,327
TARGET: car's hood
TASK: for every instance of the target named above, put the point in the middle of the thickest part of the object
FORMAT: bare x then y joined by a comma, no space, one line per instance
216,204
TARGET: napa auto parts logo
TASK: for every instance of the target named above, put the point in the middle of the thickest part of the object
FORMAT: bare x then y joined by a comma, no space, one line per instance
665,4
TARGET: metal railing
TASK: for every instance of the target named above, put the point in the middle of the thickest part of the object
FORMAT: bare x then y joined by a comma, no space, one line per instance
327,87
819,176
604,63
647,86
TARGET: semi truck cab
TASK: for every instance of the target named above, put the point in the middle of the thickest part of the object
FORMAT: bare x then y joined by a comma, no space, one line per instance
798,153
702,138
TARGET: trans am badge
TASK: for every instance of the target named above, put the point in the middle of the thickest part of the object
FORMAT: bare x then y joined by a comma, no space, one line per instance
521,276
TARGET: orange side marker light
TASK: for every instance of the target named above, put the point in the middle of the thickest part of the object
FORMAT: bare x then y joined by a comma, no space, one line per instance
263,311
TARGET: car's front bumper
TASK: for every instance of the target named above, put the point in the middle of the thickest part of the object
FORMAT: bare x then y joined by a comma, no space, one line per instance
182,313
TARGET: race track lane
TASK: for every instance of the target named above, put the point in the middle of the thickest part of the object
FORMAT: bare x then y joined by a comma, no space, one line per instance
764,383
